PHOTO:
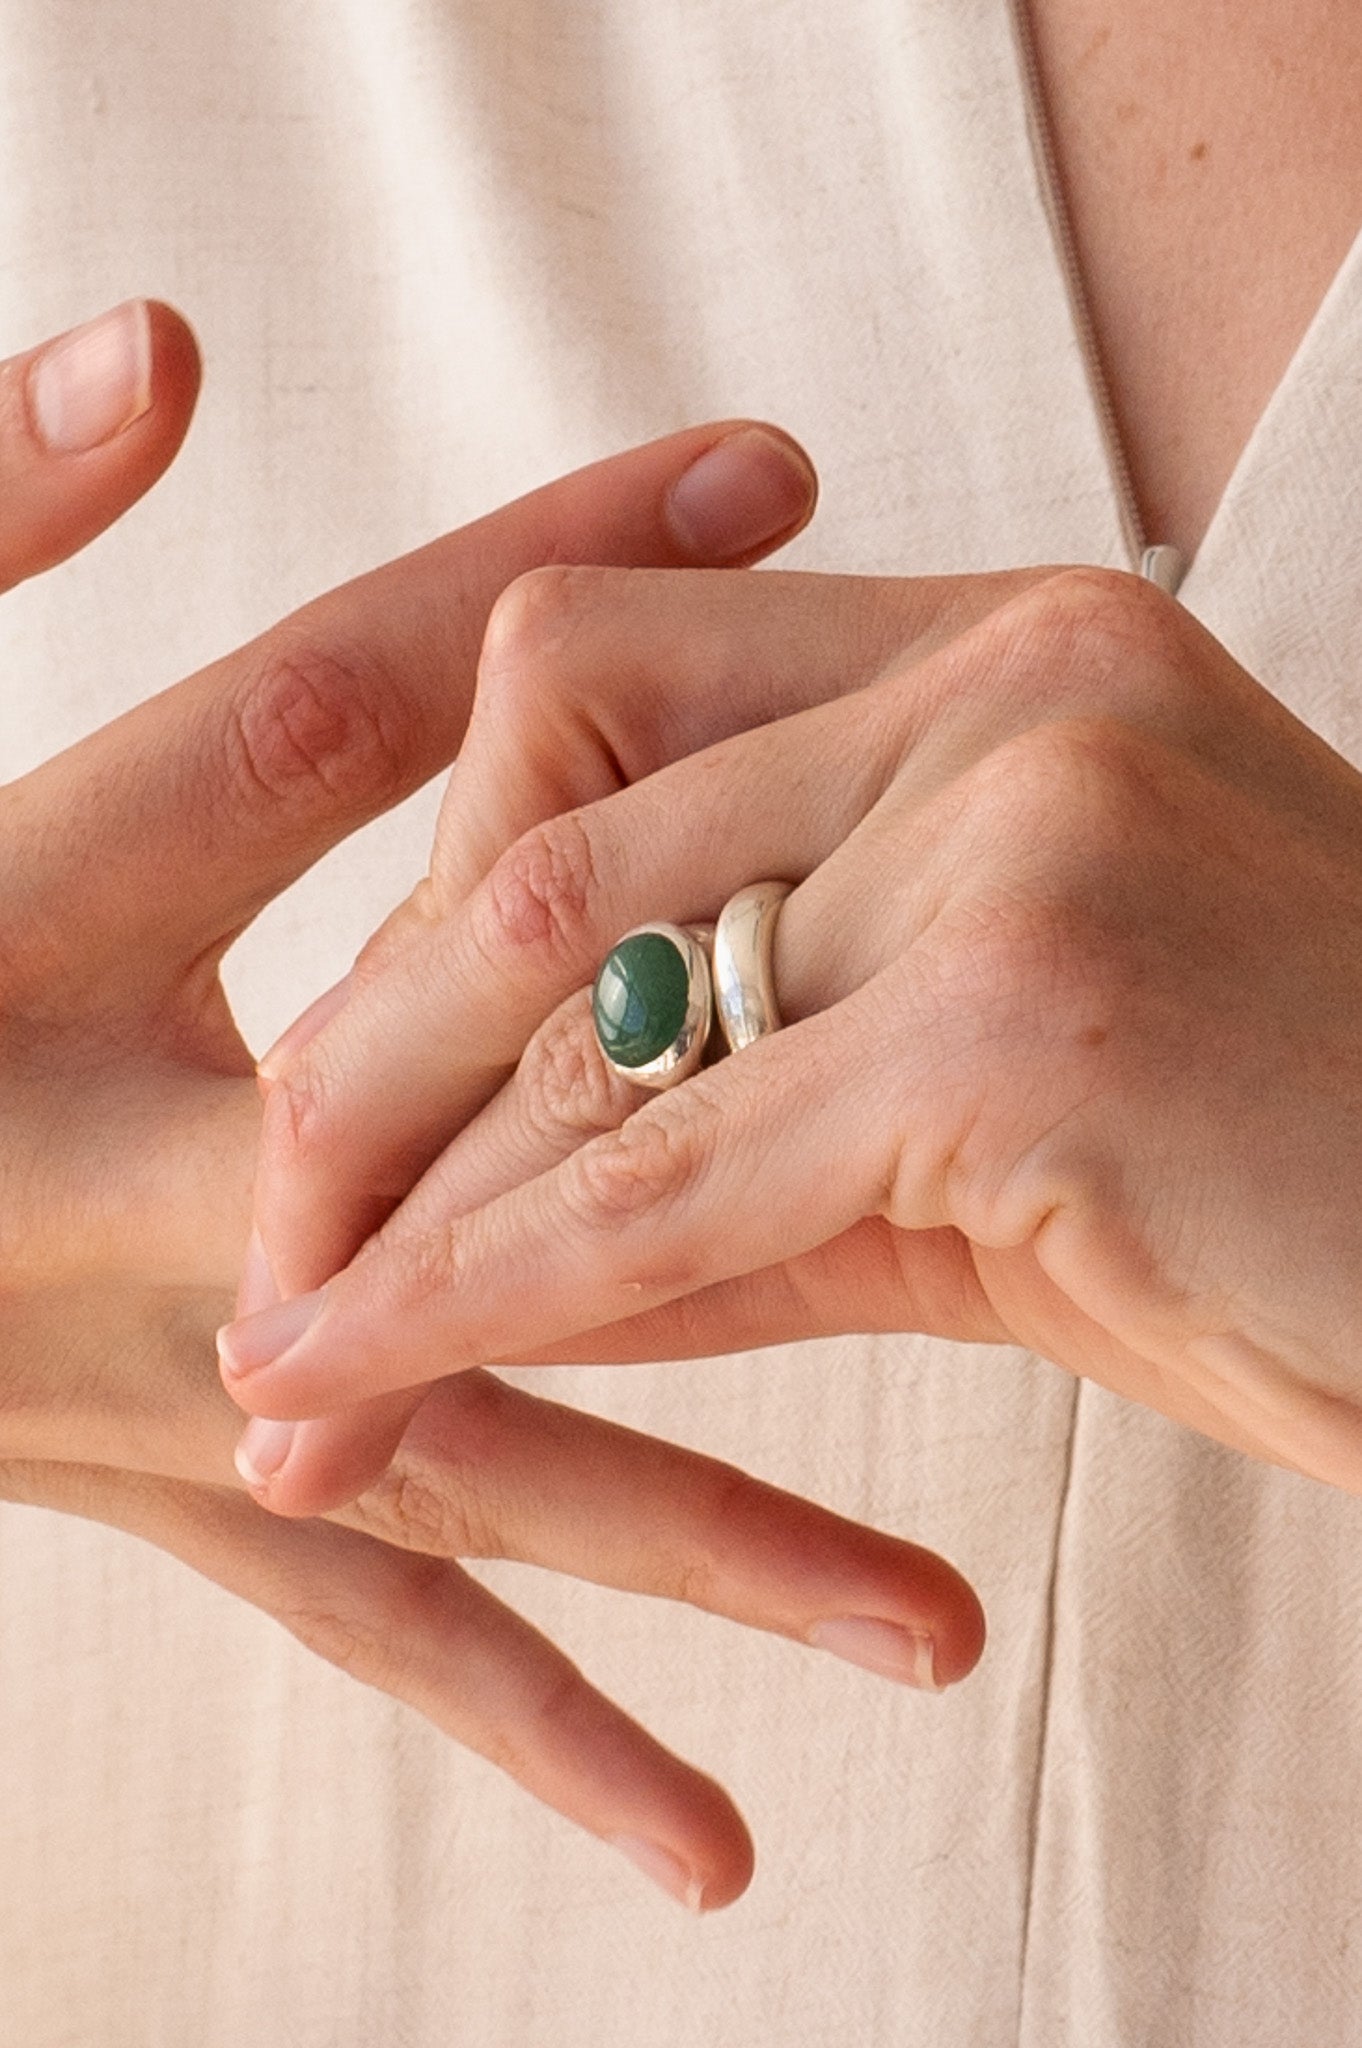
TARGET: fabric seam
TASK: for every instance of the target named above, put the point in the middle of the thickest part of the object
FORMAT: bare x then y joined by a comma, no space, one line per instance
1047,1688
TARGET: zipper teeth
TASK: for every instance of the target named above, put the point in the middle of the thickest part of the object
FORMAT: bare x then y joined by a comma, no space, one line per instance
1042,137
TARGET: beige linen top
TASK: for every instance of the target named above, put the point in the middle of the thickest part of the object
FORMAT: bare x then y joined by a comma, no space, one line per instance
439,250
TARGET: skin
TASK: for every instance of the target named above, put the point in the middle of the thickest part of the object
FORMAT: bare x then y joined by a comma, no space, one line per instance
132,1116
1211,157
1202,275
1070,979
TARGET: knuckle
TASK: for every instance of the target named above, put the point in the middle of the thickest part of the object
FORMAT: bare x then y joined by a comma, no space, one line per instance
333,1635
402,936
721,1509
558,1699
295,1117
304,1109
318,725
535,619
1081,781
541,894
428,1264
1088,636
559,677
568,1089
1056,823
632,1173
1101,604
410,1510
443,1502
562,1695
450,1514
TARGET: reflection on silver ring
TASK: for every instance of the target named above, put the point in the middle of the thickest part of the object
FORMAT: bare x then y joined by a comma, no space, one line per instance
744,987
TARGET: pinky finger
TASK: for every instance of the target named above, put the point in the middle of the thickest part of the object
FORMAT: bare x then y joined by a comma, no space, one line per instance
423,1631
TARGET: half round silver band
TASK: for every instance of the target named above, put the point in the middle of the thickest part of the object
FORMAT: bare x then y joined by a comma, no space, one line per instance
744,985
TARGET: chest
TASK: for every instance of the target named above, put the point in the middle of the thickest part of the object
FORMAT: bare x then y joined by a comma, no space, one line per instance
1209,154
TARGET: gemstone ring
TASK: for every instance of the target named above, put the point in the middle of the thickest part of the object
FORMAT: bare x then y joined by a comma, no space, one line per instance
657,995
653,1003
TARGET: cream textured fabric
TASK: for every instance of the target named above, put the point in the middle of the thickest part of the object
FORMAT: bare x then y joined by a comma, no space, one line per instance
438,250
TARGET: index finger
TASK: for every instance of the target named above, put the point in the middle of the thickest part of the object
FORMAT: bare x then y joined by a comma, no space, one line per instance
238,779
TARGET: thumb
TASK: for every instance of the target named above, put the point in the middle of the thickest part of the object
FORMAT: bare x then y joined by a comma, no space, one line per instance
88,422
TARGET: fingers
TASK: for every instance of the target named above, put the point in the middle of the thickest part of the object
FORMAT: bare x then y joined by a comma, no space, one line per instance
425,1633
872,1276
240,778
487,1471
124,1383
562,1093
752,1162
490,1470
592,679
589,680
88,422
355,1118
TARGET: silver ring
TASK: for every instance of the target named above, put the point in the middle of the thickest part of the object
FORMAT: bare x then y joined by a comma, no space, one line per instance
744,986
653,1003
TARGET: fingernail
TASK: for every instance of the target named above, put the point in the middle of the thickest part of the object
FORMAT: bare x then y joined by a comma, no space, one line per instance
664,1869
304,1028
91,385
262,1450
257,1290
880,1646
262,1340
741,493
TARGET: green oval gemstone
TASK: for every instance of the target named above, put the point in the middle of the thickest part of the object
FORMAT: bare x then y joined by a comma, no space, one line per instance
640,999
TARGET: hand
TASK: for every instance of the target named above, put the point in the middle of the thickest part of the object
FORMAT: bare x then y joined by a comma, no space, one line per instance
132,1117
1071,979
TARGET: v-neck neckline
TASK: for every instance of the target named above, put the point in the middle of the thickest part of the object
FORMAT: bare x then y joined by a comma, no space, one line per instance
1278,422
1137,543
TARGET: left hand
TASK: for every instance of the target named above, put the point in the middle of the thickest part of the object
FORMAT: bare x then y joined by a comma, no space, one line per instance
1071,979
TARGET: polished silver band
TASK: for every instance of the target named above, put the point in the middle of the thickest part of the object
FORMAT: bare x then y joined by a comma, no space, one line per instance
744,985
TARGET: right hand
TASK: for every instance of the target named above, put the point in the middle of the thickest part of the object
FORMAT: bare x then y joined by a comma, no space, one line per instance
132,1118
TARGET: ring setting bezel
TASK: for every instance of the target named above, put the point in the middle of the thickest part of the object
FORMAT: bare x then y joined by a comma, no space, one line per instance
681,1056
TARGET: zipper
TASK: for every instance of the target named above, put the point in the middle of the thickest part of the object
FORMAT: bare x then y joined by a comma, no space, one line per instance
1160,564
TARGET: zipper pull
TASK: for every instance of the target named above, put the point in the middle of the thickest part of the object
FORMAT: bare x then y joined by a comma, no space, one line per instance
1165,567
